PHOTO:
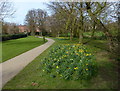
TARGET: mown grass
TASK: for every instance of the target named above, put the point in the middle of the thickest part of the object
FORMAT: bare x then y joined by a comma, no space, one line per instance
12,48
32,77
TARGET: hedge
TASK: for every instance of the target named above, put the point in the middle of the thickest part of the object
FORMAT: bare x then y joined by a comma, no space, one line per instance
14,36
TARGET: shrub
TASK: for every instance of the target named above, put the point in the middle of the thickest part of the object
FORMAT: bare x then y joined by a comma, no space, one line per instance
5,37
70,62
14,36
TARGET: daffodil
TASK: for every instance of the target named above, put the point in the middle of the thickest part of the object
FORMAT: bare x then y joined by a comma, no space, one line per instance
65,55
66,52
88,54
77,54
57,67
68,68
80,50
76,68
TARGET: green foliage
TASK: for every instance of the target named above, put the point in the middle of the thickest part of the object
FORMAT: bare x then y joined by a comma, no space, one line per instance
14,36
70,62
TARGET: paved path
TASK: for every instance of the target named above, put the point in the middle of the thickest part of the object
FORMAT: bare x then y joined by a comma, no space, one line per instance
12,67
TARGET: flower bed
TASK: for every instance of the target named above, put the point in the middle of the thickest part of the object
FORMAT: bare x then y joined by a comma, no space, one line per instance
71,62
63,38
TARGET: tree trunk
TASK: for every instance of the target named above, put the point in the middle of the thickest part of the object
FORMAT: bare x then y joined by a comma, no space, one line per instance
58,34
1,27
80,37
71,35
82,27
32,29
32,33
93,31
43,38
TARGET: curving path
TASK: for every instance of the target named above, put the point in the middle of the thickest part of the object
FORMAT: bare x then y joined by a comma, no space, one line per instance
12,67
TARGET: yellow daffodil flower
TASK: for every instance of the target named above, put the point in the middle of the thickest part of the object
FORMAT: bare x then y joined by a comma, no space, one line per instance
57,67
88,54
76,68
80,50
66,52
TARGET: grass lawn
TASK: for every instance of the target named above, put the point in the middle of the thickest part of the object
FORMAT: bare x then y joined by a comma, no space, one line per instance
32,77
12,48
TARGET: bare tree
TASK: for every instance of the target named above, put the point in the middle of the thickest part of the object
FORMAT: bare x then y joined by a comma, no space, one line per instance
6,9
9,28
30,21
99,21
36,18
97,16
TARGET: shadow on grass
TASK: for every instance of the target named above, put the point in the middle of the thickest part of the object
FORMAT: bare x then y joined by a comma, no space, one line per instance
108,71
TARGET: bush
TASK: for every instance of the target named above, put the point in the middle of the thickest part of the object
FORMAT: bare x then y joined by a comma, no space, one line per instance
14,36
70,62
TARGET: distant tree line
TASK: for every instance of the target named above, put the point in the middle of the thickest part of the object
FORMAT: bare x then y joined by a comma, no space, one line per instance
10,28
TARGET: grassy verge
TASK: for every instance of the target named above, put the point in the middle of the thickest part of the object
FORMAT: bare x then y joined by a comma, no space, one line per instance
12,48
32,77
